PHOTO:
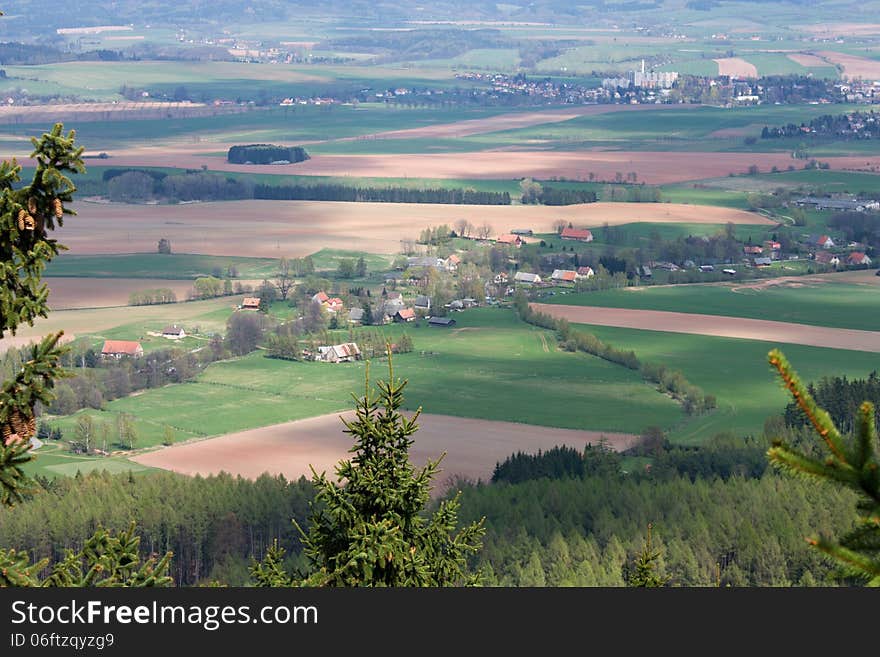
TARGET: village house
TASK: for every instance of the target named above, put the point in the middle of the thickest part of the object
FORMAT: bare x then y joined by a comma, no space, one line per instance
822,241
585,272
825,258
501,278
763,261
753,250
581,235
250,303
564,276
333,304
526,277
405,315
422,303
356,315
452,262
857,258
173,332
121,348
321,297
340,353
509,240
522,231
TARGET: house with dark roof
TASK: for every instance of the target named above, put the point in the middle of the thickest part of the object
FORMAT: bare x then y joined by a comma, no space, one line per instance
825,258
121,348
763,261
441,321
356,315
581,235
422,302
526,277
173,332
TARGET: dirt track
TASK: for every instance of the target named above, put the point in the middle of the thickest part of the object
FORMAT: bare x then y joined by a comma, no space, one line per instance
297,228
727,327
473,447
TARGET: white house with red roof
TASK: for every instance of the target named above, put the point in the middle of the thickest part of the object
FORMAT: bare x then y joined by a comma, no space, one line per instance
581,235
121,348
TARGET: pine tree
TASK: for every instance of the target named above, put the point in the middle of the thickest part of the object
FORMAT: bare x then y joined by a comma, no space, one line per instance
850,464
27,215
644,570
369,528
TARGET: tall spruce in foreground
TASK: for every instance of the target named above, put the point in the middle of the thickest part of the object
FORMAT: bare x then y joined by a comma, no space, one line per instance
645,569
851,463
27,215
369,528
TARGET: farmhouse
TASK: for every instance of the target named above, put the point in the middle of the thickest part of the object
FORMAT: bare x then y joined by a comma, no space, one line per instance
822,241
340,353
173,332
441,321
585,272
452,262
356,315
526,277
321,297
858,259
763,261
577,234
333,304
564,276
500,279
510,240
405,315
425,262
120,348
522,231
706,268
847,205
422,302
250,303
753,250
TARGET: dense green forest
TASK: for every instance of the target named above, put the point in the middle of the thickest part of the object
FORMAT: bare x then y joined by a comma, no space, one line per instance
841,397
572,530
266,154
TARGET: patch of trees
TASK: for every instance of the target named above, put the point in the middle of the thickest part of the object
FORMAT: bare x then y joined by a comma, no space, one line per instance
95,381
152,297
858,226
266,154
213,525
853,126
140,185
582,531
841,397
329,192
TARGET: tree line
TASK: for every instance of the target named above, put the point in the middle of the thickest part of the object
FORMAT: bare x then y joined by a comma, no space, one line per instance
841,397
332,192
692,398
266,154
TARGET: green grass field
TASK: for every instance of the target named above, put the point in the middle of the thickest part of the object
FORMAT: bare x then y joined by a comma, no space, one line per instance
829,304
736,371
177,266
490,366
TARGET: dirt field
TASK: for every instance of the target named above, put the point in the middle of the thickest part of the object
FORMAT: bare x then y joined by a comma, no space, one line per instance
473,447
651,167
805,59
510,121
297,228
853,66
736,66
67,293
727,327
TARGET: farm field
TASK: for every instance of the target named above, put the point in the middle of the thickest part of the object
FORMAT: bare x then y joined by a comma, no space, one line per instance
736,371
210,315
472,448
69,293
271,229
733,327
175,266
824,300
491,366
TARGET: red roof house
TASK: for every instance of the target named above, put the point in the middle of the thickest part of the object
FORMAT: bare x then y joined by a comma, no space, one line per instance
250,303
512,240
120,348
582,235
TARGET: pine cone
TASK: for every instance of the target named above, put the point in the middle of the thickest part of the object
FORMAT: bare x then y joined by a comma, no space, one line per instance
21,215
32,205
57,208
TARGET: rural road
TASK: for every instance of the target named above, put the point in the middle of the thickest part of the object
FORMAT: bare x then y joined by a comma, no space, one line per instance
725,327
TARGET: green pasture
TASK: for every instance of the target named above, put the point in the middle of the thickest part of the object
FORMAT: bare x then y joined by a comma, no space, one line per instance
175,266
818,304
736,372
